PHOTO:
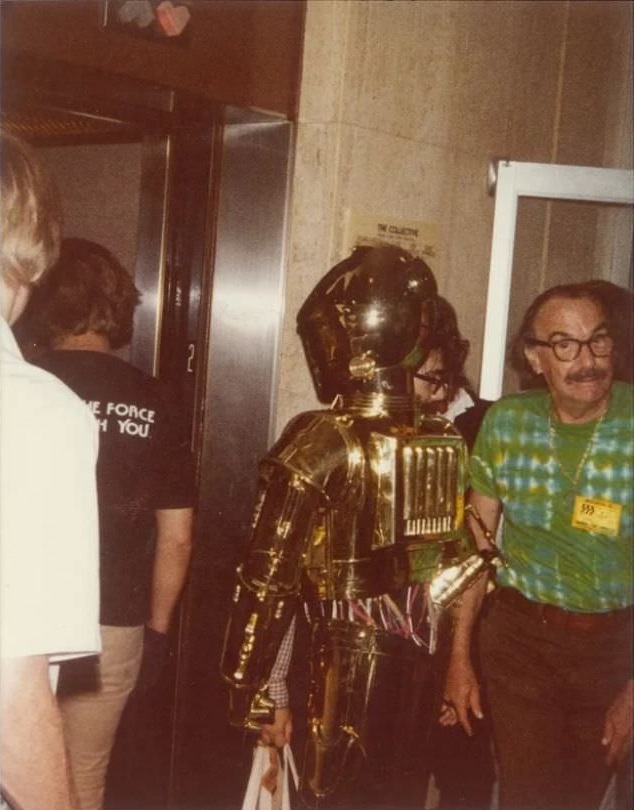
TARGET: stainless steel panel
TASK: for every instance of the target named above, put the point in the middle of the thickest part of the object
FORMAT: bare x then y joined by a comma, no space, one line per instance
247,303
238,412
150,264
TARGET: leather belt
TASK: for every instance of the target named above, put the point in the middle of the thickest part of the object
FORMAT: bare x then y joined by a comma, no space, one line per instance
562,619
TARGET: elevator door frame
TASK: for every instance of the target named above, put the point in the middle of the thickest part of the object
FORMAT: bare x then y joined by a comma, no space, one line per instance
239,403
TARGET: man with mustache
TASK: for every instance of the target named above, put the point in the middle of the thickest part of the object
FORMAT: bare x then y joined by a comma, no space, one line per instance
556,635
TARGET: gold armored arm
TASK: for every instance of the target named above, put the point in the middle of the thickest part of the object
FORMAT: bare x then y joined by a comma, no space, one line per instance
291,498
265,597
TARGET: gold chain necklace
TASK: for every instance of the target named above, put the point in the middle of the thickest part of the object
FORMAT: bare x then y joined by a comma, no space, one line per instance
552,436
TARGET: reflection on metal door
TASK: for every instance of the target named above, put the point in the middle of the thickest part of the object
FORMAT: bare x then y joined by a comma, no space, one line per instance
238,403
217,316
547,181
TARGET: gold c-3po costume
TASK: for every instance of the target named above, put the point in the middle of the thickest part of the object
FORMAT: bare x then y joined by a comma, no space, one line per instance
360,507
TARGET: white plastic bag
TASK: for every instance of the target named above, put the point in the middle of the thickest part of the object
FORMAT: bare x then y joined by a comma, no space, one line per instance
257,796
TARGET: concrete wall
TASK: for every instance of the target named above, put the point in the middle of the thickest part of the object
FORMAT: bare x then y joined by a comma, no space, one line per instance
402,105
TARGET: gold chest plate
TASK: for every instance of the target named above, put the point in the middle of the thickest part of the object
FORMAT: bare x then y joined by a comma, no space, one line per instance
417,488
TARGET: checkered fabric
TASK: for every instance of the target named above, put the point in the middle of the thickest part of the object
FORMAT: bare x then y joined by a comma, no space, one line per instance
278,691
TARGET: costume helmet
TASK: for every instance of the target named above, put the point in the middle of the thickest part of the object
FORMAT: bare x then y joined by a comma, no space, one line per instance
364,316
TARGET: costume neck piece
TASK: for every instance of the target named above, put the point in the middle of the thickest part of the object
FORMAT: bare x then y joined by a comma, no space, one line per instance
376,404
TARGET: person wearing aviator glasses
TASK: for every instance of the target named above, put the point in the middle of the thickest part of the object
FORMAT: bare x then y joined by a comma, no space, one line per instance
558,462
440,384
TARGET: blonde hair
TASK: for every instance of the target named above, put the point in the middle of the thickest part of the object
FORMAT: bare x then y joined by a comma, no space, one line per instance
31,219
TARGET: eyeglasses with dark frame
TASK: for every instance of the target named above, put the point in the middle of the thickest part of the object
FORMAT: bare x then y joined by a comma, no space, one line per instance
434,379
567,349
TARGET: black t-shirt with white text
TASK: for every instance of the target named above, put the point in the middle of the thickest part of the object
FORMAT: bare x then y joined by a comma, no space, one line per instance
144,464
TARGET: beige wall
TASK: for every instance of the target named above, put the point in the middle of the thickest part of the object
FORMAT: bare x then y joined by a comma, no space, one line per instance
403,103
99,187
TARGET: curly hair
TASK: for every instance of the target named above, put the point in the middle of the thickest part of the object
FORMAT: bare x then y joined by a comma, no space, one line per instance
88,290
445,337
31,217
618,306
594,291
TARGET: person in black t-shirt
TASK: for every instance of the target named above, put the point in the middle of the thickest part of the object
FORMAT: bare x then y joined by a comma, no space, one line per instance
145,481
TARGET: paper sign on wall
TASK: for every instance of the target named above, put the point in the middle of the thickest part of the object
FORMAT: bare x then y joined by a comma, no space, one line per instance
419,238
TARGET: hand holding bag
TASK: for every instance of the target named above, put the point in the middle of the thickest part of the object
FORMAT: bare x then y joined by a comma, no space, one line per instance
268,786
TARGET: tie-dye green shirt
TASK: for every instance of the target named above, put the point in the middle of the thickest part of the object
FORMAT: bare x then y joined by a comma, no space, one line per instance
549,560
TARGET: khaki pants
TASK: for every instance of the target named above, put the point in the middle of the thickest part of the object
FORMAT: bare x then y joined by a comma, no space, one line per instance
91,716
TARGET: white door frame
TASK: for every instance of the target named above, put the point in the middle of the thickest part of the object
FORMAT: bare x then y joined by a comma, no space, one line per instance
553,182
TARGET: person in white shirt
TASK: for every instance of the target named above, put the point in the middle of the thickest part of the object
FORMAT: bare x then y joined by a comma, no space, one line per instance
49,586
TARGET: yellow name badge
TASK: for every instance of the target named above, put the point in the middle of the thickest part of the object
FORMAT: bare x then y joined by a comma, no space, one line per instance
595,515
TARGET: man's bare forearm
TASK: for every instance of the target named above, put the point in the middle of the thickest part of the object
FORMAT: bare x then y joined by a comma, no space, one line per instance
35,770
171,561
462,691
465,613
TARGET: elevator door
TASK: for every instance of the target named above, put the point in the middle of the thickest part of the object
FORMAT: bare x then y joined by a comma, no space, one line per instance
188,756
192,199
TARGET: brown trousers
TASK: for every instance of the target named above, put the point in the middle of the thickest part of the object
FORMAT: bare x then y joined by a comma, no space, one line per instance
548,690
